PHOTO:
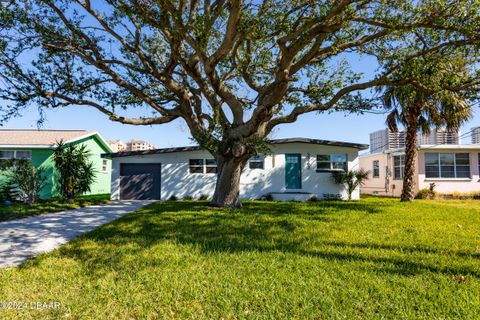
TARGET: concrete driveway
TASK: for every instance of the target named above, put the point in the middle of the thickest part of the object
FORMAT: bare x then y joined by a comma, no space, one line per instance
26,238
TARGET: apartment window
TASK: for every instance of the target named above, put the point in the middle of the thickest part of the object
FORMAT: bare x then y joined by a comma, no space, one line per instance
447,165
256,162
376,168
211,165
15,154
331,162
196,165
104,165
398,167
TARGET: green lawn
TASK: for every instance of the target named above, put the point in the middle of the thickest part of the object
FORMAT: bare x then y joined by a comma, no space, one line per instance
18,211
376,258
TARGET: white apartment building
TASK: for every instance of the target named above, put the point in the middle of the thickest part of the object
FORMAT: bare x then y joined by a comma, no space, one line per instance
117,145
139,145
386,139
475,135
383,140
440,137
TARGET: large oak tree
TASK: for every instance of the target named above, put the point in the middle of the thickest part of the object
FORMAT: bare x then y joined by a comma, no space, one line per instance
233,70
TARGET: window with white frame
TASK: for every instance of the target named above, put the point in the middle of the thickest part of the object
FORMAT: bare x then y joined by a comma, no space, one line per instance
447,165
104,165
326,162
398,167
256,162
376,169
15,154
196,165
210,166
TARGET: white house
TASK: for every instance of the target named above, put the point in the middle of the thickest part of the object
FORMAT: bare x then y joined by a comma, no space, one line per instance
296,169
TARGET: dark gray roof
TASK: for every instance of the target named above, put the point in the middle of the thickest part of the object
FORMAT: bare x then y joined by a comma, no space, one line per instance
322,142
149,152
274,141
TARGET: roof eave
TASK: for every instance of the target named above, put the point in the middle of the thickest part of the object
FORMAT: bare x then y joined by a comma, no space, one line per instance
276,141
26,146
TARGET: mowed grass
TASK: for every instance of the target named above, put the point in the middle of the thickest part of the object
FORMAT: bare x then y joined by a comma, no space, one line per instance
20,210
375,258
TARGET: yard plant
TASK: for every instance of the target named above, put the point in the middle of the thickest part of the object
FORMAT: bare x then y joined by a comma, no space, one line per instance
350,179
23,180
76,172
369,259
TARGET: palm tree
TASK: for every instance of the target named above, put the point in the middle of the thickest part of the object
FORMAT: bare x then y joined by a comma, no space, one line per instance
435,98
350,179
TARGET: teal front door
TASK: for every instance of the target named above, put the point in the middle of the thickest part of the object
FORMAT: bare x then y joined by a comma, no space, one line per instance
293,171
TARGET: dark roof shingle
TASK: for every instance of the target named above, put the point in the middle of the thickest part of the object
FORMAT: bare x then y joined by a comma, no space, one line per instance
273,141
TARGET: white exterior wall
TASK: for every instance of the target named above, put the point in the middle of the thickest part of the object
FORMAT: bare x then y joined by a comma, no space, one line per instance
442,185
451,185
384,184
254,183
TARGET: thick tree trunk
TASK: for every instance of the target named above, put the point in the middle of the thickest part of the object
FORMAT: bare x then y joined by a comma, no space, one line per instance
227,189
410,161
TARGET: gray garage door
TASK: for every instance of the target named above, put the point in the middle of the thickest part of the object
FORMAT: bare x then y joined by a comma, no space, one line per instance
140,181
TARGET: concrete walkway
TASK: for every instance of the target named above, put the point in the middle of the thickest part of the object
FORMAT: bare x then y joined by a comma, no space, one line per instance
25,238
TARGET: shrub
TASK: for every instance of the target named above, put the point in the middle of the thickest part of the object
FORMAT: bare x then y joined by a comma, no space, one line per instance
424,194
203,197
350,179
7,192
24,180
427,193
76,172
268,197
313,199
173,198
188,198
459,195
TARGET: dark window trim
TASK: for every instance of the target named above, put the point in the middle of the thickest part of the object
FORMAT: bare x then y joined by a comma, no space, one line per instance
260,159
376,167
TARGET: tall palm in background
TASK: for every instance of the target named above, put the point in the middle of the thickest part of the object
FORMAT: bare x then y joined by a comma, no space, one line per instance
437,96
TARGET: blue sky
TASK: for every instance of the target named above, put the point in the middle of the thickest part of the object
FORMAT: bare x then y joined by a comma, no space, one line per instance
337,126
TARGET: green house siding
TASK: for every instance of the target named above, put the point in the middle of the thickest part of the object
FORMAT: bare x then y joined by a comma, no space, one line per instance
103,178
44,158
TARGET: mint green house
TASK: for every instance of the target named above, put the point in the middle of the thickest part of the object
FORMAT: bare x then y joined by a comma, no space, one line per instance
38,145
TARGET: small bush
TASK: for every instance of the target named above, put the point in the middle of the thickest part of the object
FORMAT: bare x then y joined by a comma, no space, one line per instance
24,180
459,195
203,197
268,197
425,194
173,198
313,199
187,198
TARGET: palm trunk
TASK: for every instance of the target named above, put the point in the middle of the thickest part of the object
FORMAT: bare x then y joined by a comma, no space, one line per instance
227,189
410,160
